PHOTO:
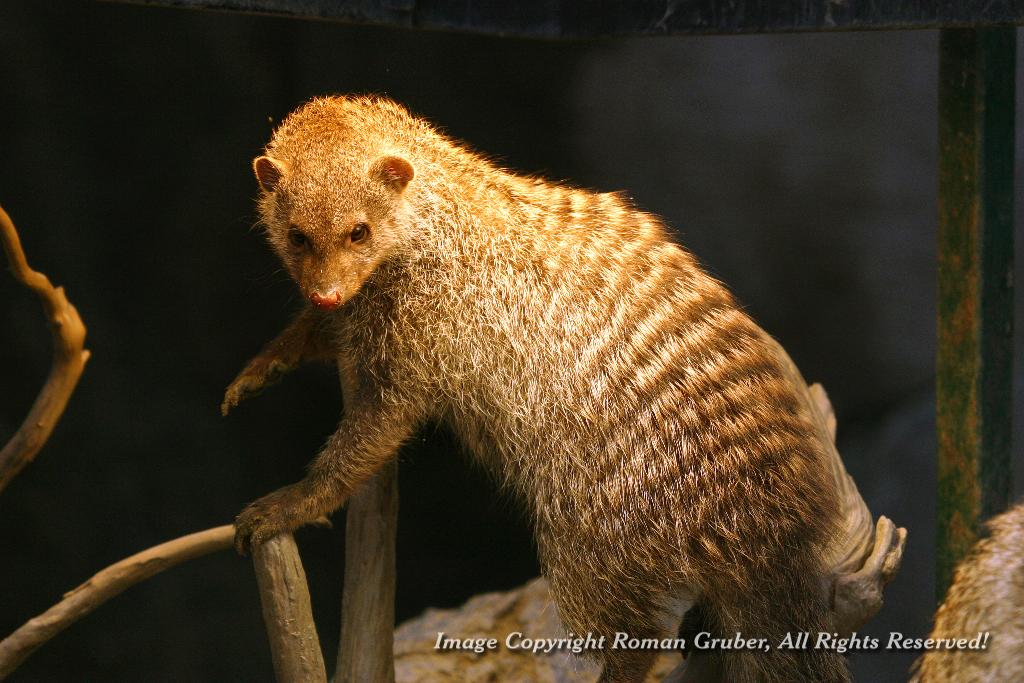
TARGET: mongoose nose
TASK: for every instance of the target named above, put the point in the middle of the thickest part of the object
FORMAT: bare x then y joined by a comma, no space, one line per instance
326,301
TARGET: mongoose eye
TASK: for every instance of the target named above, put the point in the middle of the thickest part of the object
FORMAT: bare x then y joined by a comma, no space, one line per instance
297,238
360,232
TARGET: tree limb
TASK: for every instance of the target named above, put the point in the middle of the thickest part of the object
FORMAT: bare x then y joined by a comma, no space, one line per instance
284,594
69,359
867,554
366,647
105,585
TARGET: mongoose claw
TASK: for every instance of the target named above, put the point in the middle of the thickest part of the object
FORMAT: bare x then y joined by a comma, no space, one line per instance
260,373
278,512
241,388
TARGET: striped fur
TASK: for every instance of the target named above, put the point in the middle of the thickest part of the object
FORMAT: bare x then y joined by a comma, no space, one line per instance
583,357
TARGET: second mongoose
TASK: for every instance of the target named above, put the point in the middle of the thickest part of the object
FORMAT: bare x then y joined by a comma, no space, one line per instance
582,356
986,597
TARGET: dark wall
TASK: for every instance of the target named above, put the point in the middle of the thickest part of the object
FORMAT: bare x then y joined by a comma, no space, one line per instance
801,169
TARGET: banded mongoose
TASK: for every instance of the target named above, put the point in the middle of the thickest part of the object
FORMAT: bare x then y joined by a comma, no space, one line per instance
986,596
578,352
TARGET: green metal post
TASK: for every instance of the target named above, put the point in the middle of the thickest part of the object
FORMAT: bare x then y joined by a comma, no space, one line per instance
975,306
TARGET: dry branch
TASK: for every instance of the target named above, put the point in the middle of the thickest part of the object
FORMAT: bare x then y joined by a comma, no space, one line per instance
69,359
284,594
366,648
103,586
868,554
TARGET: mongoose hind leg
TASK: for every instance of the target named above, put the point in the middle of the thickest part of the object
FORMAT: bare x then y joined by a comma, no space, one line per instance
769,610
698,666
626,666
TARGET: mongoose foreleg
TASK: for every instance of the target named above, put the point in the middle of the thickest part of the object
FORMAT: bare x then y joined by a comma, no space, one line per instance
373,428
303,340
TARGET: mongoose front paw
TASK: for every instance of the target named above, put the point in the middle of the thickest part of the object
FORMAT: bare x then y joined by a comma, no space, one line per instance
260,372
269,516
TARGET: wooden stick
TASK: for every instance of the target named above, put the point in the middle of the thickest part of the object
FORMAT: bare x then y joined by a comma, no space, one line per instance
366,647
69,359
105,585
867,554
287,613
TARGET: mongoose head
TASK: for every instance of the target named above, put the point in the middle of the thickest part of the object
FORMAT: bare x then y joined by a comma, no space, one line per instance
333,209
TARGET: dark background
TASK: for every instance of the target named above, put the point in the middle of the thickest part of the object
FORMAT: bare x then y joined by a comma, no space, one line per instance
800,168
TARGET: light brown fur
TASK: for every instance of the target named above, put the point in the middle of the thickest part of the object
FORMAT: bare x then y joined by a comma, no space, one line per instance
582,356
987,594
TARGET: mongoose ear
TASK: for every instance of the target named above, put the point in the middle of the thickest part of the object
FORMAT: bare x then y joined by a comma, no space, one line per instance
395,171
268,172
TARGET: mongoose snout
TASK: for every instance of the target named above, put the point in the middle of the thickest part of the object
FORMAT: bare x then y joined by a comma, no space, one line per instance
328,301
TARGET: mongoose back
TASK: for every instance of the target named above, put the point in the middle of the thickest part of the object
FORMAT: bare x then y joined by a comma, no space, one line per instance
583,357
987,595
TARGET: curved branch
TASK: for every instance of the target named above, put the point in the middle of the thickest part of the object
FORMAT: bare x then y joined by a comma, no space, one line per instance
287,613
69,359
103,586
867,554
